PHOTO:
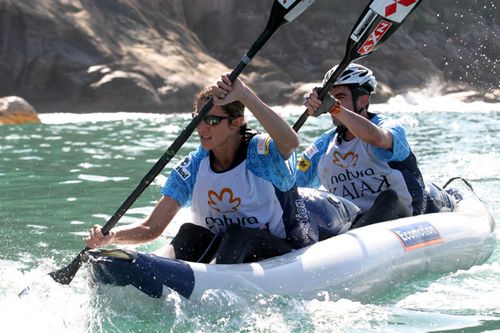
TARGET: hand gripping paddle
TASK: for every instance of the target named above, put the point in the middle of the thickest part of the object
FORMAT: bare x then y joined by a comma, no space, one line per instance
376,24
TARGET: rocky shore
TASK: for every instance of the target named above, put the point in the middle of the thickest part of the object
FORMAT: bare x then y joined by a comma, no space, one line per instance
152,56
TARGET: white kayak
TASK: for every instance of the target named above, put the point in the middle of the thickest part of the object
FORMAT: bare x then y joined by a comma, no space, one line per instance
355,264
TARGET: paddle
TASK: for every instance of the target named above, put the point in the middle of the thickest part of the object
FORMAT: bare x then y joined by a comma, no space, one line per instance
375,25
282,12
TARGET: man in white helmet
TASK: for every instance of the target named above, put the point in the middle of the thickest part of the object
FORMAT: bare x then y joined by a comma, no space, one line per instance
366,156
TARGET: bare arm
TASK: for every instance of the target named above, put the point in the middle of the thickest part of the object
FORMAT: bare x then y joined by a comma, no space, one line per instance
149,229
364,129
359,126
282,133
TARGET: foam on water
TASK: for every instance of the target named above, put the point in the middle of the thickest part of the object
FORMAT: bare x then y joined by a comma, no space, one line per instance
46,307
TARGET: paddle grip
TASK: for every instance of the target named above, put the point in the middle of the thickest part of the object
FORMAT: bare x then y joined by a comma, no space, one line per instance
324,90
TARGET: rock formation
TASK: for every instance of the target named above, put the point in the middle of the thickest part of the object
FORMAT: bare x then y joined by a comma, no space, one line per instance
15,110
152,56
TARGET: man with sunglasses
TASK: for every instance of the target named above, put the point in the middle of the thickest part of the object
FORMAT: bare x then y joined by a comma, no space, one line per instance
240,185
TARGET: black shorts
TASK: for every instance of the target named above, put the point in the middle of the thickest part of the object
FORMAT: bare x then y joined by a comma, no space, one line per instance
236,245
191,242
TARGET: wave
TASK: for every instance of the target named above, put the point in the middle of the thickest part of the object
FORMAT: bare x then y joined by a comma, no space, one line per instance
423,100
428,99
70,118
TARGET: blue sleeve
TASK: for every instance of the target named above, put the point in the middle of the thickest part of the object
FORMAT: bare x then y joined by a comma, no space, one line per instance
400,147
180,183
307,167
265,161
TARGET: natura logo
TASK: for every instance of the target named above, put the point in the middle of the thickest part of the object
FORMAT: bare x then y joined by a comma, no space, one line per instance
223,202
345,161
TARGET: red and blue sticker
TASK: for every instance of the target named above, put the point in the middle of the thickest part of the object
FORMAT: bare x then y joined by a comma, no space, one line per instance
417,235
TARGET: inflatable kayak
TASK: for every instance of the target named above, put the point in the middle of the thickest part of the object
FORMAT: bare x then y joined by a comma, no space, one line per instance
362,261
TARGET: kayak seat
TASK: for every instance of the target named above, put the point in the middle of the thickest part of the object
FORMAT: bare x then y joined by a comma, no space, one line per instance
331,214
192,242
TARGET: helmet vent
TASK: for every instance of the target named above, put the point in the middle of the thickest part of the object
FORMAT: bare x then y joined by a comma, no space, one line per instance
354,75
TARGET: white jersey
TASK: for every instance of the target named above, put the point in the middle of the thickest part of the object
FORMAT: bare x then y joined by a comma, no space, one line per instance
351,171
250,201
259,192
358,172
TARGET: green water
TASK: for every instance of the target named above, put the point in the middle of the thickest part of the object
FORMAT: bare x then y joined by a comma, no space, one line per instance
59,178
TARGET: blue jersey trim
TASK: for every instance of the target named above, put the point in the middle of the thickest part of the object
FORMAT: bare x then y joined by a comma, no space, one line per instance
400,147
307,175
263,161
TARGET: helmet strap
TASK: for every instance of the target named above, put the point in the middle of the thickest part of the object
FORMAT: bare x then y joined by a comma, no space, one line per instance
341,131
356,92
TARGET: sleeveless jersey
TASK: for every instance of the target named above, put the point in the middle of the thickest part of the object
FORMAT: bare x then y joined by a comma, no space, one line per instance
245,199
259,192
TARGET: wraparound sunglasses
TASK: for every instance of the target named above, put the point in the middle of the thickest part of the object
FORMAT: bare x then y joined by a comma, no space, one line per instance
212,120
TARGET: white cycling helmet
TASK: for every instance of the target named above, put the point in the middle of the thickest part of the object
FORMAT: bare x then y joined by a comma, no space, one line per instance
354,75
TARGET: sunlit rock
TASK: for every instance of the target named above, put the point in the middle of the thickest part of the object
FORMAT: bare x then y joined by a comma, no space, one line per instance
70,55
15,110
119,89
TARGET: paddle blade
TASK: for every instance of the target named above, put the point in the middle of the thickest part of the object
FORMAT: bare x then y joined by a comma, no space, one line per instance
66,274
282,12
295,8
377,23
285,11
379,20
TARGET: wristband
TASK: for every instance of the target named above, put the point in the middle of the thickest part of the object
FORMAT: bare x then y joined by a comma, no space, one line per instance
327,105
336,107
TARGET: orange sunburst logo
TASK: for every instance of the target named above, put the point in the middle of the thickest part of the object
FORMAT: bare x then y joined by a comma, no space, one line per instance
224,202
344,161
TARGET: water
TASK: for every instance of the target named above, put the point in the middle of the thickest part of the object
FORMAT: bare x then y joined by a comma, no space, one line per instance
59,178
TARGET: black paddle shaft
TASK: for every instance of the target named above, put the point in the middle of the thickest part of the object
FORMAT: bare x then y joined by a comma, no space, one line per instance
272,26
280,14
370,31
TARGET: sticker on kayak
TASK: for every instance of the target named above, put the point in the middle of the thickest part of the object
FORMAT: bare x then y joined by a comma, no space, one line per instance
286,3
394,10
377,34
417,235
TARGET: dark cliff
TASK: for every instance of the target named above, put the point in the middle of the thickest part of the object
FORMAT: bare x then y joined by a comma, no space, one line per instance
153,55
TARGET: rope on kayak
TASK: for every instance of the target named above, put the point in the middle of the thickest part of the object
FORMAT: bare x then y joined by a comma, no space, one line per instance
462,179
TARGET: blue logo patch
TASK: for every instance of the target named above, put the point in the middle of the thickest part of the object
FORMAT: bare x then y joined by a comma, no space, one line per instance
417,235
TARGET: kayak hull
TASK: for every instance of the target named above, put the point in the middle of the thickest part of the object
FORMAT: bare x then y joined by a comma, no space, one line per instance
356,264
